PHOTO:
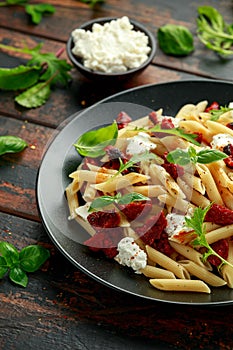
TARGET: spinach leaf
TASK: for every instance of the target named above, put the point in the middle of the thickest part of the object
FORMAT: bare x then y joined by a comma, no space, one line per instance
92,143
175,40
11,144
35,96
20,77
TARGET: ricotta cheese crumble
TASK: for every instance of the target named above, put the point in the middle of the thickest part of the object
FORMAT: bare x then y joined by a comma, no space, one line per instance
112,48
131,255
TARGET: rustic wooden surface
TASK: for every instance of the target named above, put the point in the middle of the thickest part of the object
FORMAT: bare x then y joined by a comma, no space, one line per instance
62,308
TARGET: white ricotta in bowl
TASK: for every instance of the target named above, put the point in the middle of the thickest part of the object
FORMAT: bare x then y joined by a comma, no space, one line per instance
113,47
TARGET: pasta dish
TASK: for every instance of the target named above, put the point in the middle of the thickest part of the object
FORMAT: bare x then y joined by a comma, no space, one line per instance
156,195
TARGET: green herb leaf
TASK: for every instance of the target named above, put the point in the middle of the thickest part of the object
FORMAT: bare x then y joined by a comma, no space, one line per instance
196,222
92,3
12,2
104,201
3,267
92,143
35,96
216,113
18,276
175,131
132,197
11,144
206,156
175,40
9,253
209,156
37,11
213,32
20,77
32,257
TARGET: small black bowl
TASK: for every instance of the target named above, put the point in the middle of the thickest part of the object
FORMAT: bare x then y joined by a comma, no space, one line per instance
91,74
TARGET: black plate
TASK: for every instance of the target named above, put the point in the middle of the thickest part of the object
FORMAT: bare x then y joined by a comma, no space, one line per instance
61,158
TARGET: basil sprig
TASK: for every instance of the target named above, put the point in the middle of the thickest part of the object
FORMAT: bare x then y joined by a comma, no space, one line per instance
11,144
103,201
196,222
174,131
216,113
18,263
93,143
207,156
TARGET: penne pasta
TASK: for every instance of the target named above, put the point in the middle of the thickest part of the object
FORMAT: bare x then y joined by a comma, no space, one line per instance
156,272
167,263
203,274
177,285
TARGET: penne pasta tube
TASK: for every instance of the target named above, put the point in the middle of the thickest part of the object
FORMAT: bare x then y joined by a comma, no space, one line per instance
167,263
203,274
209,183
191,111
177,285
190,253
219,173
217,128
227,270
166,180
156,272
72,200
194,182
119,182
193,126
177,203
149,190
219,233
89,176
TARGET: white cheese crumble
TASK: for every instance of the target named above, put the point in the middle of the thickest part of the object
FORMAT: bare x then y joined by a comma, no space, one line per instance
82,211
176,224
113,47
131,255
219,141
140,143
230,105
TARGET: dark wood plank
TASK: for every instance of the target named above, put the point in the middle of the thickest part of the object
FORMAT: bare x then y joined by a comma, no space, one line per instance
60,301
151,13
19,171
79,94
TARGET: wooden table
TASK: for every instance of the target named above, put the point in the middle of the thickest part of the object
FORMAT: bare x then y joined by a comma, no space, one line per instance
62,308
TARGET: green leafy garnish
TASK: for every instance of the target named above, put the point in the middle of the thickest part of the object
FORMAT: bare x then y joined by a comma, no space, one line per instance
93,143
216,113
20,77
35,11
175,40
92,3
11,144
136,158
104,201
174,131
213,32
205,156
41,72
18,263
196,222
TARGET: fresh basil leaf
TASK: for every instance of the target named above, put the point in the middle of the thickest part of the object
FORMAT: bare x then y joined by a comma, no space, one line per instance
11,144
32,257
175,40
132,197
15,2
20,77
178,156
9,253
92,143
3,267
210,156
18,276
34,97
216,113
101,202
176,131
36,11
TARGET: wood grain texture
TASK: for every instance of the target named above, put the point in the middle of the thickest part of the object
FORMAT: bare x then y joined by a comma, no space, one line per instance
62,308
60,299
